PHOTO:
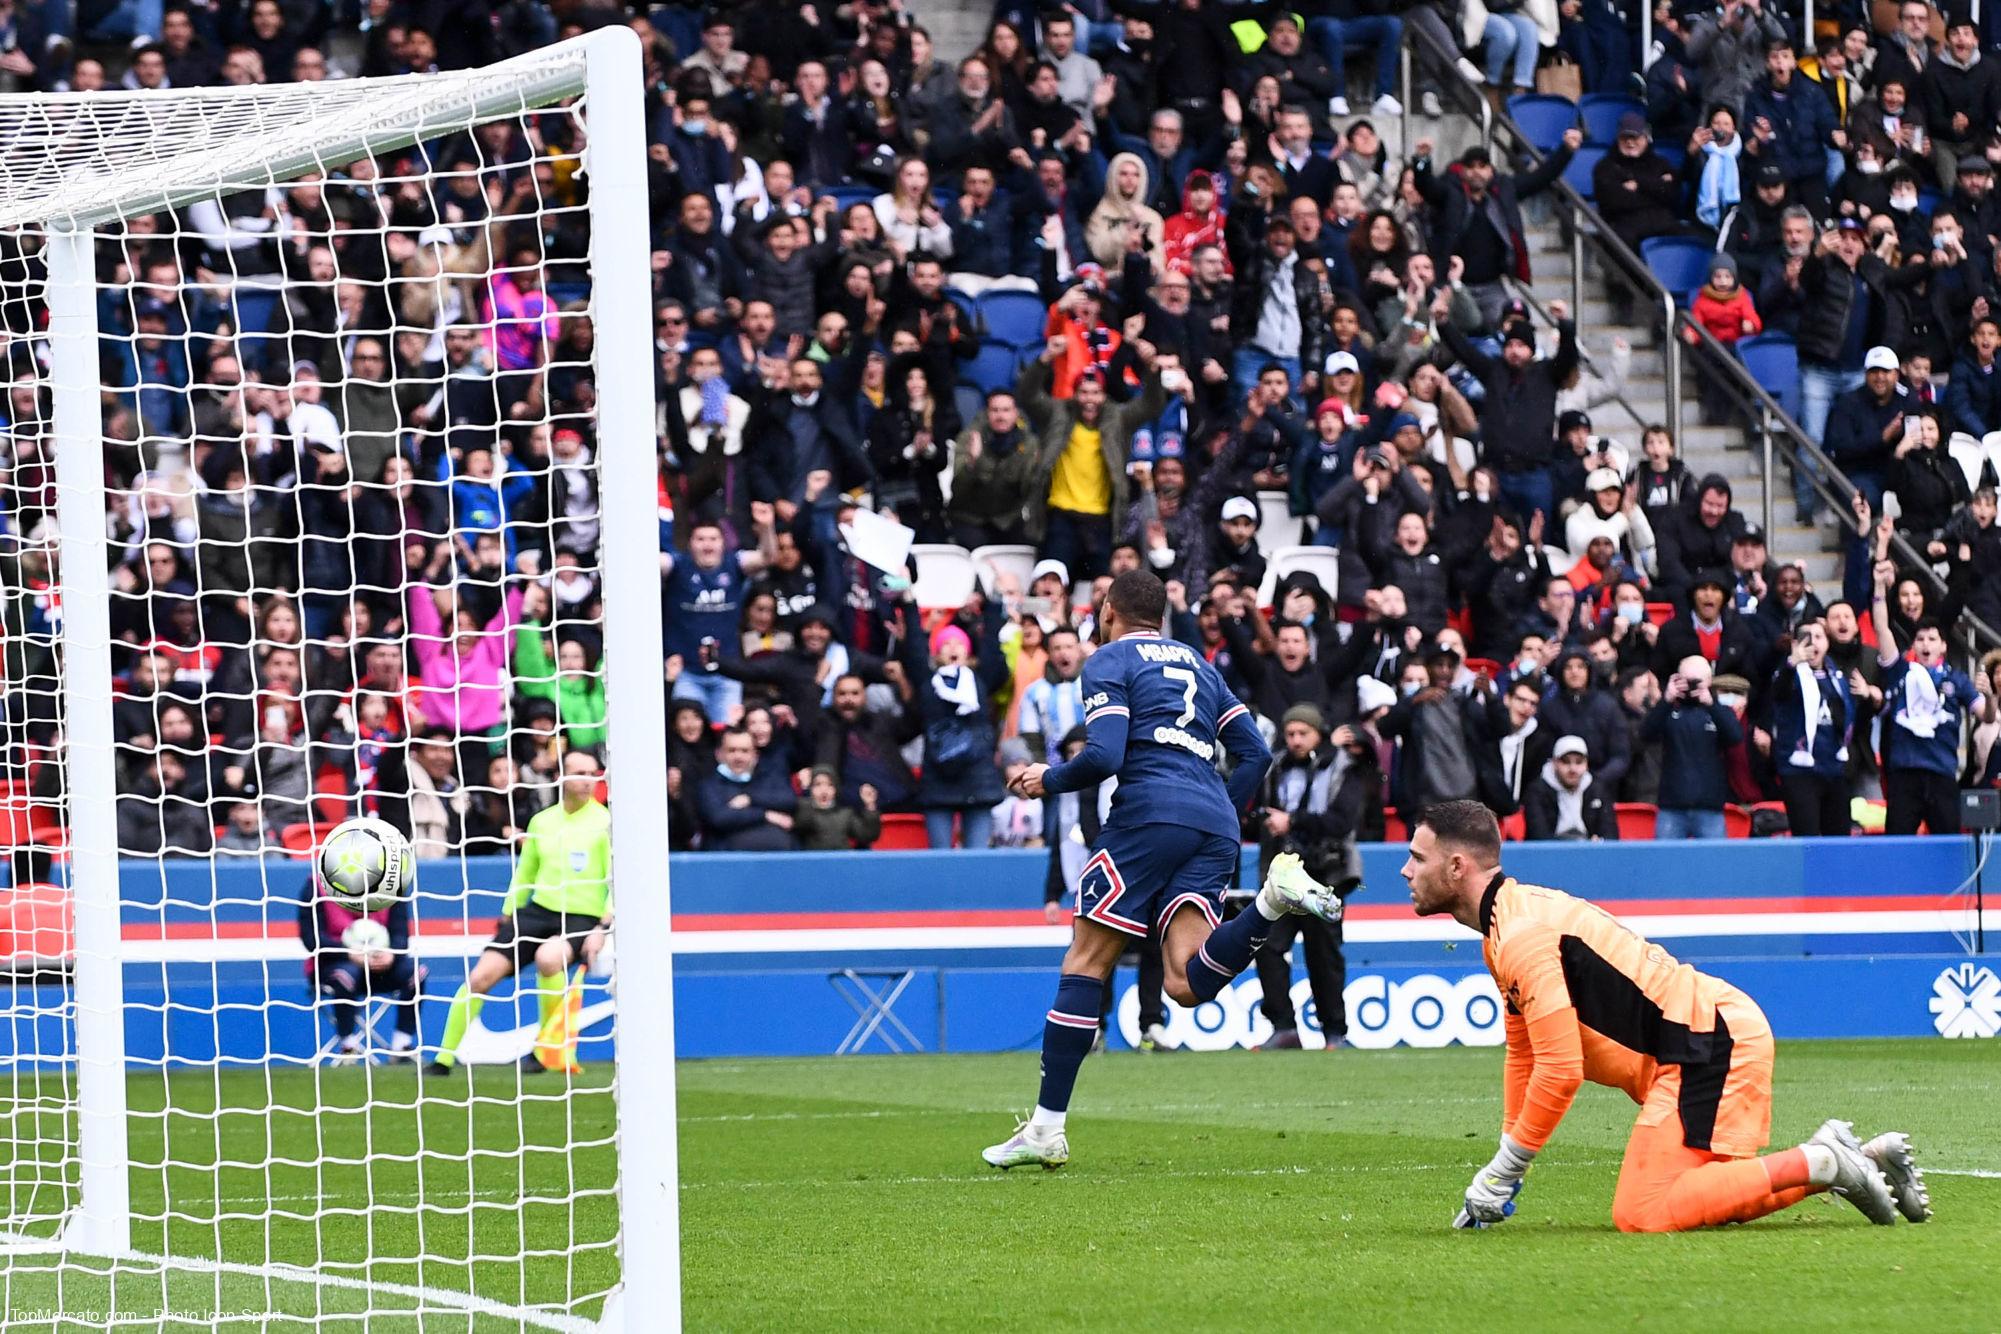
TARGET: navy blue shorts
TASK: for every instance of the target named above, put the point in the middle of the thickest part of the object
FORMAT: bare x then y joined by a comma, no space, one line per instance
1142,874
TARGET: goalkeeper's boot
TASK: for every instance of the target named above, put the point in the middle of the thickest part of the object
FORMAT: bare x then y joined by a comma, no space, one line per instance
1857,1179
1289,888
1891,1152
1028,1147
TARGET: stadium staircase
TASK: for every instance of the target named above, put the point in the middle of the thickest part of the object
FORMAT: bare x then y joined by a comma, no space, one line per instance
1730,450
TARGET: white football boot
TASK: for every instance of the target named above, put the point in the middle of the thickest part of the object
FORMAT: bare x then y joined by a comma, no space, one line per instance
1288,887
1029,1147
1891,1152
1857,1179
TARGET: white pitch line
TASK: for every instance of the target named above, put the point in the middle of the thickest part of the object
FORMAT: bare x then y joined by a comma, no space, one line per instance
1981,1172
456,1301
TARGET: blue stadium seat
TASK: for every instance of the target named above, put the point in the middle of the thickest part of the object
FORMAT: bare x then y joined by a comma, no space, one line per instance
1774,362
970,400
993,366
1543,117
849,195
1601,112
1681,263
968,304
1675,154
1578,174
1015,317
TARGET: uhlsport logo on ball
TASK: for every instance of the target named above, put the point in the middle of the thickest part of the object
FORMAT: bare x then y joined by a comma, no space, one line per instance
1423,1010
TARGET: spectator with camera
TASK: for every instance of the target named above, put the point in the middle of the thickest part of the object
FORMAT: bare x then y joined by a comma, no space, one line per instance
1694,729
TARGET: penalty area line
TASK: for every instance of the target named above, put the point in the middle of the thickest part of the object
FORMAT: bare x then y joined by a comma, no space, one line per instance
527,1317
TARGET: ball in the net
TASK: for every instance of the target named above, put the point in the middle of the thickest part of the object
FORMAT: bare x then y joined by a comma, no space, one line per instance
366,864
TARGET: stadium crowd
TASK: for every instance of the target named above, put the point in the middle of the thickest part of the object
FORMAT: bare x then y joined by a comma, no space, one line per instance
1090,291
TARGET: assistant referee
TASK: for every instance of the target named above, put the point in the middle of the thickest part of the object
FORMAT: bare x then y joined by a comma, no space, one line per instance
557,909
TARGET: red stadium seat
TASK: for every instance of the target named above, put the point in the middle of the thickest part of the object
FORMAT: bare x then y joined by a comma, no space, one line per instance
37,926
903,833
1660,613
330,797
1515,828
1486,667
1394,828
1778,806
299,840
1636,821
1736,822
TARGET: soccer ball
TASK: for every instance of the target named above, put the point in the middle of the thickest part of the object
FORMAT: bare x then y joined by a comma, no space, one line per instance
366,865
365,936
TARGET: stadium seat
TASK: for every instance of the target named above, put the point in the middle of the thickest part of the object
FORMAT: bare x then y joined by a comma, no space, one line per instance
1277,525
1681,264
331,801
1778,806
1542,118
298,839
1323,562
945,575
1578,174
992,367
37,927
1486,667
1773,361
1660,613
1736,822
1674,153
903,833
992,560
1966,452
1636,821
1394,828
1559,560
1019,318
847,196
968,304
970,400
1601,112
1514,828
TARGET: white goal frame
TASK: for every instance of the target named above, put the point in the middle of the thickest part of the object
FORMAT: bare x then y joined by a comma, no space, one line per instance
70,199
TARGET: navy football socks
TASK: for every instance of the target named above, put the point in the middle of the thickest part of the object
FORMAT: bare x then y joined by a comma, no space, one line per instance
1067,1035
1228,951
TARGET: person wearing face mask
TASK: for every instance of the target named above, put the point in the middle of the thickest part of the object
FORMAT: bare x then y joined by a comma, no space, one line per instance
1694,729
743,808
1633,633
1439,728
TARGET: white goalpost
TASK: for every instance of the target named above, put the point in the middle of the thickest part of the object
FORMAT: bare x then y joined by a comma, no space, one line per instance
328,487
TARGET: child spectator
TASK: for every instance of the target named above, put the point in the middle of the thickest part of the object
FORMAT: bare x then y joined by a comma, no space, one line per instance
824,825
1725,309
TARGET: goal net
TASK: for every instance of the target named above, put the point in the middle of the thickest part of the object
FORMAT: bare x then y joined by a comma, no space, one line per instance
329,492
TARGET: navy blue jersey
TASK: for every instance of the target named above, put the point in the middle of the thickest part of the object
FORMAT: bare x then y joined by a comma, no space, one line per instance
1921,727
703,604
1157,715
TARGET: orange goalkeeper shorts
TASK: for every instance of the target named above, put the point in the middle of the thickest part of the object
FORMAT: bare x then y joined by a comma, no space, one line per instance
1725,1106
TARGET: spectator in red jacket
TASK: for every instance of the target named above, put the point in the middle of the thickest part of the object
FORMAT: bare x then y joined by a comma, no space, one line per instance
1725,309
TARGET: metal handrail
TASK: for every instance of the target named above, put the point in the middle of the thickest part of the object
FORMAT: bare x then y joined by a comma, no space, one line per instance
1792,442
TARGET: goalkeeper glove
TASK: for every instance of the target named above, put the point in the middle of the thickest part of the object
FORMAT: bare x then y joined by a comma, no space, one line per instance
1491,1197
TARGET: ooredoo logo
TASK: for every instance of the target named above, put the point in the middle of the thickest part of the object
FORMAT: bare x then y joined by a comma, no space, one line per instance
1424,1010
1966,1002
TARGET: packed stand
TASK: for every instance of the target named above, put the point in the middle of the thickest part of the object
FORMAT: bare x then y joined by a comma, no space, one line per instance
1119,290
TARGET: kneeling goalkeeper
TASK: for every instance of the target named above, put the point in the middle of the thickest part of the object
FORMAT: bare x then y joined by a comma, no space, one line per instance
557,911
1587,998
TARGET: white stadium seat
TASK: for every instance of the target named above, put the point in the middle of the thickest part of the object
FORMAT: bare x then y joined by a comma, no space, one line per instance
992,560
945,574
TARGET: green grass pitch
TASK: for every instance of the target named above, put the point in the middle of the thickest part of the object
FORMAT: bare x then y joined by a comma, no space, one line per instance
1235,1191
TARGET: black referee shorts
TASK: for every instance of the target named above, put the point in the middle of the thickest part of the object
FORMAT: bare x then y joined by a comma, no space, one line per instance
525,932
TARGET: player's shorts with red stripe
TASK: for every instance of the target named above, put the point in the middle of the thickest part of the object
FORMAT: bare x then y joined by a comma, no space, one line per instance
1142,874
